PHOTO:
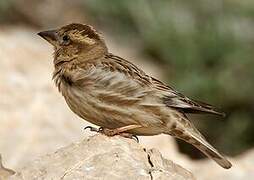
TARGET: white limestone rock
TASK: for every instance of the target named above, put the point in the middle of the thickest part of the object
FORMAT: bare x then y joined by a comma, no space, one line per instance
101,157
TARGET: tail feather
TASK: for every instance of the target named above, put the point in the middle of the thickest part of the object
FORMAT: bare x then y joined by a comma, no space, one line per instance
211,152
197,140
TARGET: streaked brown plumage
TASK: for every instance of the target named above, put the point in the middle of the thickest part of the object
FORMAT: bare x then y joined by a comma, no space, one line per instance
113,93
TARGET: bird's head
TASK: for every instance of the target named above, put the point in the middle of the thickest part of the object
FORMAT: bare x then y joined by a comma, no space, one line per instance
75,41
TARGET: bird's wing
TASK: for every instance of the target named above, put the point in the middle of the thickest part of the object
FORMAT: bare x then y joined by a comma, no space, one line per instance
140,84
174,99
171,97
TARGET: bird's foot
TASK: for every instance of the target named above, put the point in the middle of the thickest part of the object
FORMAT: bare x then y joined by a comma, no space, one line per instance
131,136
118,131
113,132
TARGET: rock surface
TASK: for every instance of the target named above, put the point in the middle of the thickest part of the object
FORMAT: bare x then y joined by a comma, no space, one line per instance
101,157
4,172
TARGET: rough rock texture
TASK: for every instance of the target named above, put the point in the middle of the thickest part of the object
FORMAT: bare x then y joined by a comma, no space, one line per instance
4,172
101,157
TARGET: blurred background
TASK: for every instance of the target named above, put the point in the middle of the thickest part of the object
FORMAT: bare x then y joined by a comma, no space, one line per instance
202,48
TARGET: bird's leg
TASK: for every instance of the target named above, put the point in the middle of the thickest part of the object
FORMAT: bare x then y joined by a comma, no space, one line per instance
120,131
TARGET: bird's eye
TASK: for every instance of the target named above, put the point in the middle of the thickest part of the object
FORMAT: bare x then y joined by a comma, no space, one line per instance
66,38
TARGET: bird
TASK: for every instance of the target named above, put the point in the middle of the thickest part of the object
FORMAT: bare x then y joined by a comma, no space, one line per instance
116,95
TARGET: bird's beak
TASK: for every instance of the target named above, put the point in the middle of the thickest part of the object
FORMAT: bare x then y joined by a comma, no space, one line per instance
50,36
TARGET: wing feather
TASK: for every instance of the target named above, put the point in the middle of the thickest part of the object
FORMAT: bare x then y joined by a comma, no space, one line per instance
145,83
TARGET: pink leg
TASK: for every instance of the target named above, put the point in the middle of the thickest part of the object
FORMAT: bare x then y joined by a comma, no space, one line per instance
118,131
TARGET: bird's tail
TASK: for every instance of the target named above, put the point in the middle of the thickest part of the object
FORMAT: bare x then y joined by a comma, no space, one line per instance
197,140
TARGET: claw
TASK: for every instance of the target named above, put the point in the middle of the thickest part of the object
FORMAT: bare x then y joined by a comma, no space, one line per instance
93,129
135,138
100,129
